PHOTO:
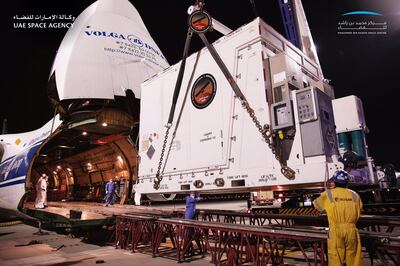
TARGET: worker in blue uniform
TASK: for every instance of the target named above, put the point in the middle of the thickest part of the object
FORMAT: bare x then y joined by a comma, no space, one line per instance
191,200
190,213
110,189
343,207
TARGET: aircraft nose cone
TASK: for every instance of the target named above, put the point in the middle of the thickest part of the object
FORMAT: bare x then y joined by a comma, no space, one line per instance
107,52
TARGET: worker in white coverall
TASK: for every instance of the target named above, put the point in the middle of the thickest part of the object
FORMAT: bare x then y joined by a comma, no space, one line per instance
41,192
343,207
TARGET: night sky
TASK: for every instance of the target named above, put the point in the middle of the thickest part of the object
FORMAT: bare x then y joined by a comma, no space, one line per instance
367,66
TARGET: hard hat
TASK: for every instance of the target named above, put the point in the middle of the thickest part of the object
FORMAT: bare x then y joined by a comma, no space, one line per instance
341,177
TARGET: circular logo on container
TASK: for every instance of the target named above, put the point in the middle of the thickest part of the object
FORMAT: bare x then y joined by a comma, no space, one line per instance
135,40
203,91
200,21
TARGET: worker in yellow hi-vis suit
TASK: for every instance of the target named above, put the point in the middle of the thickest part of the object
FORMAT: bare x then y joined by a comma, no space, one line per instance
343,207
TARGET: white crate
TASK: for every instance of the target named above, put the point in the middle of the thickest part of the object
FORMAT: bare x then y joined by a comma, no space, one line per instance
220,142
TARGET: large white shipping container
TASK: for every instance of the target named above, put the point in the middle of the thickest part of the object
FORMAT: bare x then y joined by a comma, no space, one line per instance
217,146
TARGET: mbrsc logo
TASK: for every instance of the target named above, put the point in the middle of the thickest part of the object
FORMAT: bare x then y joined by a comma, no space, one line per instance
362,12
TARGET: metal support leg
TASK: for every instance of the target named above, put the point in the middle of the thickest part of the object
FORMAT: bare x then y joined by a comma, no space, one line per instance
40,232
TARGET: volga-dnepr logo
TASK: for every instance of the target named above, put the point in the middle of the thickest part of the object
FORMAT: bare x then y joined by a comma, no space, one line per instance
133,39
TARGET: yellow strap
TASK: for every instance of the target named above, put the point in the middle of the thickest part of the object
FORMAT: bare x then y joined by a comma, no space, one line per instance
329,192
354,196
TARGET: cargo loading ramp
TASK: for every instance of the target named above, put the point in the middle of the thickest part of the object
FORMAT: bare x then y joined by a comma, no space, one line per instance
93,215
61,218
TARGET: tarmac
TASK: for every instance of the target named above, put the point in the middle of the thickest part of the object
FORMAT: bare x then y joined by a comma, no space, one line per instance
20,246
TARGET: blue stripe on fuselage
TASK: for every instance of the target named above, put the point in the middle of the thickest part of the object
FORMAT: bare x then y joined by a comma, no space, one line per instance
10,158
20,181
6,160
17,165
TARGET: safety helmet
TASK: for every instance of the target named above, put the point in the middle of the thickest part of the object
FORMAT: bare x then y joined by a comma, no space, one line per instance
341,177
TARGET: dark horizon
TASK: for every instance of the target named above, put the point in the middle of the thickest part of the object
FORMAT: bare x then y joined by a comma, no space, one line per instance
365,66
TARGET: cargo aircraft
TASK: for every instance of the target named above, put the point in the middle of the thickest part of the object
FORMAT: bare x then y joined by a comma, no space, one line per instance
109,73
94,86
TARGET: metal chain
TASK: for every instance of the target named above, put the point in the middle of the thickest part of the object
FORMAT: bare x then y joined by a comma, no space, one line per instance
265,131
267,134
159,178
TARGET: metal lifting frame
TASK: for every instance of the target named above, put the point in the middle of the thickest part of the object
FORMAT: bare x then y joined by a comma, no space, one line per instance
234,244
368,223
237,236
